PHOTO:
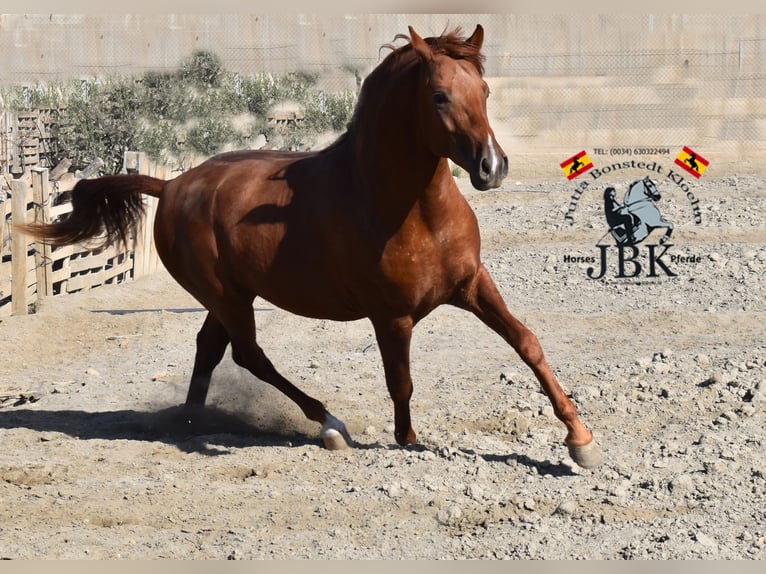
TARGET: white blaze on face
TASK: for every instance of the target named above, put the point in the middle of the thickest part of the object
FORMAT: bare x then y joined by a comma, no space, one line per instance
494,159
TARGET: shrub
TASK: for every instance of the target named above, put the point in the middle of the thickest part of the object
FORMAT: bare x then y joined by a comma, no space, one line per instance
202,70
160,140
102,125
170,114
329,112
210,135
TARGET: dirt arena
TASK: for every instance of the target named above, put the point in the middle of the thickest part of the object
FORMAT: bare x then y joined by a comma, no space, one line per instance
668,371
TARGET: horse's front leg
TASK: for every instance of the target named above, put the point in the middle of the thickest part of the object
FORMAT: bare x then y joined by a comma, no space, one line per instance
484,300
394,337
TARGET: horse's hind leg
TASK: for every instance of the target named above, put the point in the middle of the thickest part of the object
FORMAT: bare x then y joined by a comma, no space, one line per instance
212,341
668,232
484,300
240,326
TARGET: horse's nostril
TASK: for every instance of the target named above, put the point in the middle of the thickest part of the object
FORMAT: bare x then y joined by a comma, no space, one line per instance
486,168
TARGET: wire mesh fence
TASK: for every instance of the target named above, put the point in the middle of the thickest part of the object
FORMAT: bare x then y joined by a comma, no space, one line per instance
557,80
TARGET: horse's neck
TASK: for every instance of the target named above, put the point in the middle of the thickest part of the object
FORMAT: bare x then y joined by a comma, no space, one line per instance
393,164
635,194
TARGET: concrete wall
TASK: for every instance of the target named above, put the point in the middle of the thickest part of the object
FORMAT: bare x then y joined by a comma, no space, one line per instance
558,82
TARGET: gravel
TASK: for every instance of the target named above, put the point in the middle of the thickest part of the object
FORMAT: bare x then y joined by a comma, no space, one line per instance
668,372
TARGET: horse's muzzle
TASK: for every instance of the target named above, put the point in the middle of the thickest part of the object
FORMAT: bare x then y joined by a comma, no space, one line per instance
491,167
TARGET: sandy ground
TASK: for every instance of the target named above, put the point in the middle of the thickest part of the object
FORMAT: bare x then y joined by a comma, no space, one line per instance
96,461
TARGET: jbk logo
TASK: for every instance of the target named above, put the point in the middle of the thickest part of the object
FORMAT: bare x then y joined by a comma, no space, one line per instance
630,222
632,218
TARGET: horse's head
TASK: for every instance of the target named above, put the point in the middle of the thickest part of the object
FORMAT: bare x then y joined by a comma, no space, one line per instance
453,107
642,190
650,189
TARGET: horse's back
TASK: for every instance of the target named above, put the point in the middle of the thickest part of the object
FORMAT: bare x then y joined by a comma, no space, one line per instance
266,221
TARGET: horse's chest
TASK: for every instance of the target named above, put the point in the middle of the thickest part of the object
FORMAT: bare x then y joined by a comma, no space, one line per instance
427,266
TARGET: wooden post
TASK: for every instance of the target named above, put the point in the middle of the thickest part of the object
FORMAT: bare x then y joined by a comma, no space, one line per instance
131,161
19,248
140,243
5,141
154,259
15,148
41,190
2,222
145,257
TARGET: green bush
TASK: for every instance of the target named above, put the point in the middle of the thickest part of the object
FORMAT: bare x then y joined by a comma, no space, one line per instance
102,125
203,70
196,109
260,93
161,96
329,112
160,140
210,135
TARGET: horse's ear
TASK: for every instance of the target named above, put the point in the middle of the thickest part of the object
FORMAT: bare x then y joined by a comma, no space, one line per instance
421,46
477,38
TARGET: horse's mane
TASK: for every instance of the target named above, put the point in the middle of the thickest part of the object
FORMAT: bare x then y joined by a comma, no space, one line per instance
401,59
452,44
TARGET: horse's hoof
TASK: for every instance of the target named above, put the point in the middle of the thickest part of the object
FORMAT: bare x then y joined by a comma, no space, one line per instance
588,455
334,434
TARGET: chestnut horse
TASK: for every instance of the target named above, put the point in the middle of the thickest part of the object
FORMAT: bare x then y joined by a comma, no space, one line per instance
373,226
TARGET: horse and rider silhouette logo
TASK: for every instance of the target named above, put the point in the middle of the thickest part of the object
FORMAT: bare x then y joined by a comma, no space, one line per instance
631,221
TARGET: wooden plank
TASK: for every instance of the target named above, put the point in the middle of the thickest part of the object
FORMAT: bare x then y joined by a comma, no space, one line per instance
141,243
5,268
79,283
15,152
62,168
63,252
59,210
96,279
89,262
31,267
120,269
5,279
153,259
3,203
4,133
60,275
19,248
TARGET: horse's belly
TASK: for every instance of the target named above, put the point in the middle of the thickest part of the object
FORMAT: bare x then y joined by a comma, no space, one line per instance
310,297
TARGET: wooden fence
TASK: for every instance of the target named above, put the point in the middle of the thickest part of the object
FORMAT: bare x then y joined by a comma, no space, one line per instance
31,270
27,139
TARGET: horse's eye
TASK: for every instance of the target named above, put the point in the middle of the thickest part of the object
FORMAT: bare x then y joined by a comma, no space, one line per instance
440,98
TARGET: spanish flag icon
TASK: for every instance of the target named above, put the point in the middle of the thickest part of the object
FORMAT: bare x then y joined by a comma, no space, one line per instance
692,162
576,165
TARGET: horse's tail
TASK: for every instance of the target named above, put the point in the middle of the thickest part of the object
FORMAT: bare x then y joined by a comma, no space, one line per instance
107,208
